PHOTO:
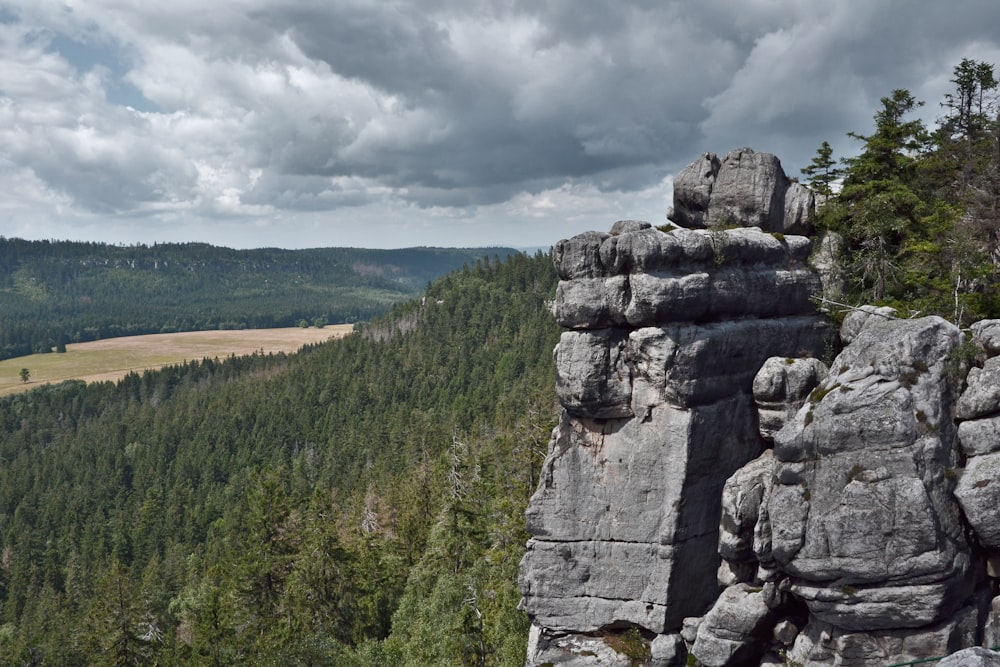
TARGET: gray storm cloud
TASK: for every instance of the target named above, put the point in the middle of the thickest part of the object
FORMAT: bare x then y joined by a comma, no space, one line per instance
316,115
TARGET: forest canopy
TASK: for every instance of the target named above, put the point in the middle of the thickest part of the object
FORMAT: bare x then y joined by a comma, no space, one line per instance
359,503
57,292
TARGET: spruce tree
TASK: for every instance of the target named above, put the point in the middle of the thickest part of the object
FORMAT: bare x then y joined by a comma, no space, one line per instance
822,172
881,212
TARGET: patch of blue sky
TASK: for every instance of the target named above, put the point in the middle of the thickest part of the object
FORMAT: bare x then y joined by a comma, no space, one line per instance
84,57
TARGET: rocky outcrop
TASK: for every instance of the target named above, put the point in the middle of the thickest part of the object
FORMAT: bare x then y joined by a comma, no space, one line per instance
978,489
745,188
862,514
716,490
736,629
666,333
781,387
972,657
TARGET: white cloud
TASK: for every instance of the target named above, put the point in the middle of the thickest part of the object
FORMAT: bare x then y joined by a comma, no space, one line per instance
390,123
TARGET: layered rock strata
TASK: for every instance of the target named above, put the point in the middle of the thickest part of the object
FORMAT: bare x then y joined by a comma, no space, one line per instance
666,333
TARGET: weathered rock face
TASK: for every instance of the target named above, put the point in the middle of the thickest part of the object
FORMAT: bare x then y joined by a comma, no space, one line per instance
972,657
979,437
862,514
868,535
781,387
648,278
823,644
573,650
666,333
745,188
736,628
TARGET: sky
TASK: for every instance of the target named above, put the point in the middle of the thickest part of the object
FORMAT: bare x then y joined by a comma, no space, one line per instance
390,123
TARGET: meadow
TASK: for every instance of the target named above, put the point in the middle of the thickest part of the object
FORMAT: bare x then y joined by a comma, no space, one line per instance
113,358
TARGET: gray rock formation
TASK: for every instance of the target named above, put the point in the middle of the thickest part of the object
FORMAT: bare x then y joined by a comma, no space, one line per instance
693,192
869,535
972,657
822,644
987,334
826,259
744,189
982,396
862,513
574,650
856,320
742,498
978,488
736,630
781,387
991,629
667,651
648,277
656,383
979,493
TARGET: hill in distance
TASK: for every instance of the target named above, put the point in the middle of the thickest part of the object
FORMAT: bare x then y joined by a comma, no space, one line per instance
58,292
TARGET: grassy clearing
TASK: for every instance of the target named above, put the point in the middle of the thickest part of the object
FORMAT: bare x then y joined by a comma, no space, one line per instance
113,358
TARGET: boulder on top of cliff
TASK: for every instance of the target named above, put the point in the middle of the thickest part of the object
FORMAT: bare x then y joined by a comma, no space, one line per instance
862,513
744,189
693,191
626,226
579,257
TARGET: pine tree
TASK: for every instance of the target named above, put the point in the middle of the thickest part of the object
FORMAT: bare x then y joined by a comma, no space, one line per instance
823,171
880,212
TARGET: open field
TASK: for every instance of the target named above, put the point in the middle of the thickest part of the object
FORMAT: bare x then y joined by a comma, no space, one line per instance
113,358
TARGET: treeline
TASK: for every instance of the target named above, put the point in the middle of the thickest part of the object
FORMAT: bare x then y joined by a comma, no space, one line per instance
359,503
918,209
57,292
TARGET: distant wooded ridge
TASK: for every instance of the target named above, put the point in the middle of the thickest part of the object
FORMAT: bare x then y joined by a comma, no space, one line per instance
57,292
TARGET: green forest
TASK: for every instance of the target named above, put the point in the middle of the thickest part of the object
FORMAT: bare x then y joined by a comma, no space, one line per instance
358,503
57,292
918,209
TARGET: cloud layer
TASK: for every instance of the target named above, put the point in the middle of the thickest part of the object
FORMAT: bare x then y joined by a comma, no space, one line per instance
438,122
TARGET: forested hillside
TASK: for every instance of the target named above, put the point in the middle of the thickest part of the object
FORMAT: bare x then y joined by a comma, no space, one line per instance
360,503
58,292
918,209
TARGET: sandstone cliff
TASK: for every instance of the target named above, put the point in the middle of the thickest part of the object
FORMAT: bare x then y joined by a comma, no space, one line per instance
716,493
